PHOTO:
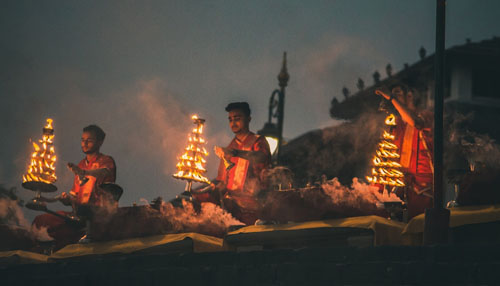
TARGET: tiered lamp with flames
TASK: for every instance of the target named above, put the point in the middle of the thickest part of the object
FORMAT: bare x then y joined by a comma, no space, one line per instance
191,165
386,168
41,174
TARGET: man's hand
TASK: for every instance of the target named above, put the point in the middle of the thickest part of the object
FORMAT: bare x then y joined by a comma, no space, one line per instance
223,152
76,170
66,199
383,94
219,151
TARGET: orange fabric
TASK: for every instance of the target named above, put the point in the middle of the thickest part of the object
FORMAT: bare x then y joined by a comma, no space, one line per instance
62,232
407,146
244,171
238,176
88,190
243,181
415,146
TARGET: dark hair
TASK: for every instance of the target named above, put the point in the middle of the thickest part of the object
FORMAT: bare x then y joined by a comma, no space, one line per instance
402,85
98,132
243,106
416,97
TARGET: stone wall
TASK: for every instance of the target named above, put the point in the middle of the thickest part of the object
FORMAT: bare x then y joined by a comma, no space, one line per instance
476,264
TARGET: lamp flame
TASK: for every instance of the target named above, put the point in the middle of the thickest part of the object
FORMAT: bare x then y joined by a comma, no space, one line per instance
42,167
385,171
191,165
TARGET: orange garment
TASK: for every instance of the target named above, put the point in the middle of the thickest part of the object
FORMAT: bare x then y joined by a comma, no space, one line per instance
63,232
243,181
415,146
244,177
89,192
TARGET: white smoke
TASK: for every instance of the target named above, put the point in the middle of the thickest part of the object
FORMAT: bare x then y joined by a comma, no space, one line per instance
40,234
357,195
11,213
210,219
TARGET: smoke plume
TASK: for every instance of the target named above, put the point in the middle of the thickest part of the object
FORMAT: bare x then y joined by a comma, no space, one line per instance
211,219
11,213
40,234
162,218
10,208
328,200
357,196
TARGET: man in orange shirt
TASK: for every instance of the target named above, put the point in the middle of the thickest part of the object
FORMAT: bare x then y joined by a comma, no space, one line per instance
414,140
92,171
239,178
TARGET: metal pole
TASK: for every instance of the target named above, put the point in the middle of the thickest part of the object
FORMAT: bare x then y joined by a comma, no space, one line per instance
438,104
283,78
437,219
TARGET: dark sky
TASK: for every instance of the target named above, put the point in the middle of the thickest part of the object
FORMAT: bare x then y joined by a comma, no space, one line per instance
139,69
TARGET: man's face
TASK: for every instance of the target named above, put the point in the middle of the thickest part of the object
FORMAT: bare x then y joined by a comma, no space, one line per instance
399,94
90,144
238,121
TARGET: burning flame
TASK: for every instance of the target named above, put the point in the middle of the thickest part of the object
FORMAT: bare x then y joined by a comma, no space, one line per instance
42,167
191,165
388,135
379,163
385,171
390,120
49,123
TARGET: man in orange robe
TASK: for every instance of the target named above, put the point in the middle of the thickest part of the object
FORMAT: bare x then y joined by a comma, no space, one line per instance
92,171
239,178
414,140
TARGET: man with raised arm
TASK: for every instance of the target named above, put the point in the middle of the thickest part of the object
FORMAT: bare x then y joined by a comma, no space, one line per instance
414,140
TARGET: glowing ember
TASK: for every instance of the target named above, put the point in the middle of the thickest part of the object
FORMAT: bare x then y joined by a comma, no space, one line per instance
43,159
386,169
390,120
191,165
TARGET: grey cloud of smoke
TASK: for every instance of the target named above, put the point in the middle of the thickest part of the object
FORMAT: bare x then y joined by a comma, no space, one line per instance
210,219
40,234
343,151
163,218
331,199
466,143
357,195
12,214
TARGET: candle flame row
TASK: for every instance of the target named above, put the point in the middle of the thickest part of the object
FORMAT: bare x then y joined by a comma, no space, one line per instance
385,171
191,165
42,166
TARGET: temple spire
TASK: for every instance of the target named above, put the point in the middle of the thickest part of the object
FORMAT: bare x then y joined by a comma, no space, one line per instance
283,76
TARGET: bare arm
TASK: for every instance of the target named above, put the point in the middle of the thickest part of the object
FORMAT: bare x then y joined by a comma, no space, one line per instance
408,116
256,157
98,173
